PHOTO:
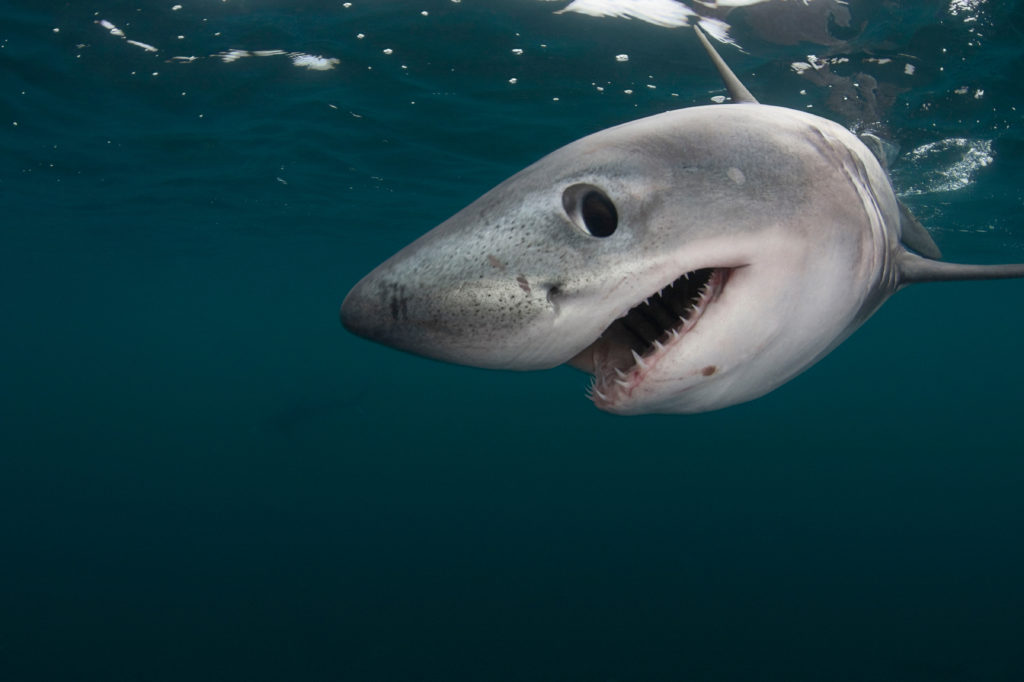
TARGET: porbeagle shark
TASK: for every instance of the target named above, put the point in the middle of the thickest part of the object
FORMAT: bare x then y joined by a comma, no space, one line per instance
690,260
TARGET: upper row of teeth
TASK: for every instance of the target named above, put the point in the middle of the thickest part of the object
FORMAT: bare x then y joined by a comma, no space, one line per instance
673,334
701,293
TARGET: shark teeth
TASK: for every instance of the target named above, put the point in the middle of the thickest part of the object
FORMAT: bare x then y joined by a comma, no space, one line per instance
661,317
638,339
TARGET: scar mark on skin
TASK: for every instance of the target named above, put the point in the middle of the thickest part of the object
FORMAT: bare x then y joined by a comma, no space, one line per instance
709,370
524,284
495,262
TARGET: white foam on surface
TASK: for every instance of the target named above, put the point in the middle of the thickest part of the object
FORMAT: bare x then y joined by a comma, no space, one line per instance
948,165
659,12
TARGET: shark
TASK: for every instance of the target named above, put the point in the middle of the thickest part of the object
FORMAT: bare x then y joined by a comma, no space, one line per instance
689,261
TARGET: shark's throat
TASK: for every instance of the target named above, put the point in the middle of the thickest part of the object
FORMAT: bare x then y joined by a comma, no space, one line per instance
632,345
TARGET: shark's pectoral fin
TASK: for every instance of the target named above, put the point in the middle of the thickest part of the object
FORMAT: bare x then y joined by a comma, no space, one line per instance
913,268
914,234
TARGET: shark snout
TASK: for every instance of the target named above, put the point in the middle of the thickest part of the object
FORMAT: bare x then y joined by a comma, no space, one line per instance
379,310
359,314
505,322
442,320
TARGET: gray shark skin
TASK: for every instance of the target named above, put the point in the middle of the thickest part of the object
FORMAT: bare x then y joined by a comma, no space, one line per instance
690,261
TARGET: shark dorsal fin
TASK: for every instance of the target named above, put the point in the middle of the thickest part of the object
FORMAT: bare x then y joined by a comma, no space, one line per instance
737,90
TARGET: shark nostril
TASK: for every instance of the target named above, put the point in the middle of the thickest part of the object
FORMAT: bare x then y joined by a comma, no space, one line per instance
554,292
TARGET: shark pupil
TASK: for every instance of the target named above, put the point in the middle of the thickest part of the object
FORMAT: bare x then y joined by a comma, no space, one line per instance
599,215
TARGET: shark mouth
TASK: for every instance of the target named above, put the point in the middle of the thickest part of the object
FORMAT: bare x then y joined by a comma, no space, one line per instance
634,343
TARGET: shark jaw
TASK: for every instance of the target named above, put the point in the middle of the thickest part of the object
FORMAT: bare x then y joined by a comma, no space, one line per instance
629,351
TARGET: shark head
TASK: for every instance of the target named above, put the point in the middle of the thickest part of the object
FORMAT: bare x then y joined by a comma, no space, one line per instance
689,261
676,258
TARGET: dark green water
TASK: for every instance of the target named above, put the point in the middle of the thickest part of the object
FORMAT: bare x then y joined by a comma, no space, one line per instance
203,477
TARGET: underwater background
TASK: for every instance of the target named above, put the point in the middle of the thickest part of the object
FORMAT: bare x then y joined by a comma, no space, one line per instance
204,477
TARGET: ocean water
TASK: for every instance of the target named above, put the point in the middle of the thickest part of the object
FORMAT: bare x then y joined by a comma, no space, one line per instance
204,477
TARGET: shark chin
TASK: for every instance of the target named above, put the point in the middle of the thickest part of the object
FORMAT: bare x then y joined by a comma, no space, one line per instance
628,355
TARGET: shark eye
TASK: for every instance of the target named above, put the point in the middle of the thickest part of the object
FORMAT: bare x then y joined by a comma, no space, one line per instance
591,210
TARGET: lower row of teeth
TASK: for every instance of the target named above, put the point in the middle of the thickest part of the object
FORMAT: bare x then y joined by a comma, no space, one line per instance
621,378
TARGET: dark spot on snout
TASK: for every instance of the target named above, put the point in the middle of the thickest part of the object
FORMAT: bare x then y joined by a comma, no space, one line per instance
524,283
709,370
397,300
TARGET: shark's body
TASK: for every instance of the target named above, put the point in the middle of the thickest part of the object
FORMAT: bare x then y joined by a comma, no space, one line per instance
690,260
